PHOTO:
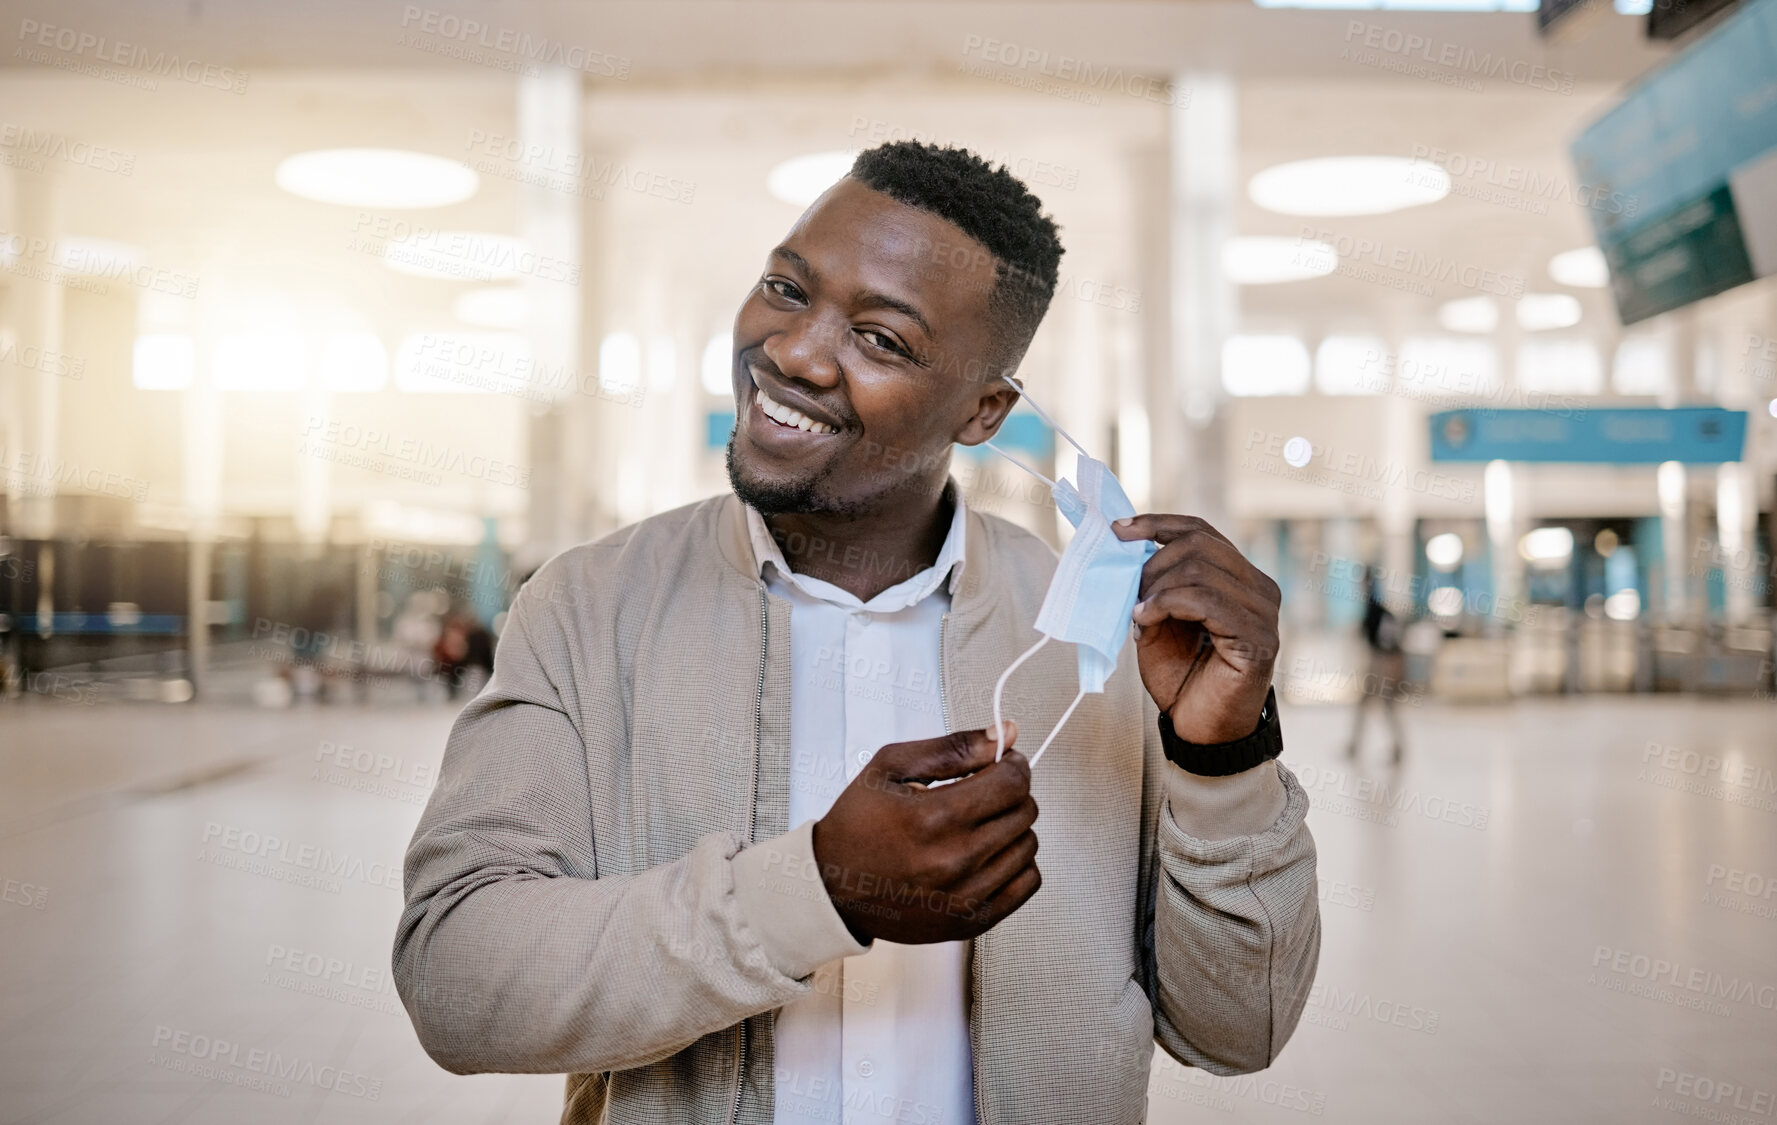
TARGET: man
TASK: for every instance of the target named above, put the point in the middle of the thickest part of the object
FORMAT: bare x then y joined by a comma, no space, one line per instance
1387,671
698,843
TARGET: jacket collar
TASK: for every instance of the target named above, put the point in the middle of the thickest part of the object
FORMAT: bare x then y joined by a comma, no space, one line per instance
969,583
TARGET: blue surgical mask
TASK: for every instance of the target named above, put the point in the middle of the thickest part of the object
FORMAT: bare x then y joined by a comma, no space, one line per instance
1092,596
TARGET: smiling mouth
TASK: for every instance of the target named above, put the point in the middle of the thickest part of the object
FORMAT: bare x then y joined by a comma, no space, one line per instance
788,417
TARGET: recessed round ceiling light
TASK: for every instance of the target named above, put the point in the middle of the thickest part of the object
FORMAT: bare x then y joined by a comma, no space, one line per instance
459,255
502,307
1538,312
377,177
1269,260
1348,185
801,179
1584,268
1624,605
1469,314
1546,545
1444,551
1445,601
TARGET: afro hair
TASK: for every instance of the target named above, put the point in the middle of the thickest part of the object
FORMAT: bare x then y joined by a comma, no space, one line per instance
990,205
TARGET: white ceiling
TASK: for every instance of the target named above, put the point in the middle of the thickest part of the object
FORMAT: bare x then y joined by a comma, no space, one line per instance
716,92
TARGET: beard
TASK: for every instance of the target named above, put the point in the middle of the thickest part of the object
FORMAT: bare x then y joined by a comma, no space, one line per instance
808,496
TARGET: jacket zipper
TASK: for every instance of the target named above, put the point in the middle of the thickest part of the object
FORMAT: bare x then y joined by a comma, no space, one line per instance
975,946
740,1042
943,702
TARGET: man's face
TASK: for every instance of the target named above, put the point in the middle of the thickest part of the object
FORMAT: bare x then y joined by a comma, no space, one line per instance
871,322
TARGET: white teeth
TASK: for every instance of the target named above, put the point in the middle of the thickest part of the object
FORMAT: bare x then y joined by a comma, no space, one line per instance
777,411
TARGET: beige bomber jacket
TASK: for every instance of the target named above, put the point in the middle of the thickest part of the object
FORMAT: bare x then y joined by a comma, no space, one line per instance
603,883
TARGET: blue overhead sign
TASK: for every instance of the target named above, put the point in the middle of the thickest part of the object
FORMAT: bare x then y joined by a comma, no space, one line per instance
1686,167
1629,436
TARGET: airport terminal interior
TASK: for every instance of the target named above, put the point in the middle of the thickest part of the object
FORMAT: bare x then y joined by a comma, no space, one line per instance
324,326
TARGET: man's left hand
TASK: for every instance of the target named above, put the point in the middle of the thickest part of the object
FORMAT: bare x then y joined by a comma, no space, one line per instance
1206,637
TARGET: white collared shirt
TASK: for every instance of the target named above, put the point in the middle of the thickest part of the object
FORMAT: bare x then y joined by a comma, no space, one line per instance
883,1036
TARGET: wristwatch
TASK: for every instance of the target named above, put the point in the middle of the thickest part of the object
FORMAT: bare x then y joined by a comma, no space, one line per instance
1219,759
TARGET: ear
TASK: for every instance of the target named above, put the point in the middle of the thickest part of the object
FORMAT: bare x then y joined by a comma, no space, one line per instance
991,405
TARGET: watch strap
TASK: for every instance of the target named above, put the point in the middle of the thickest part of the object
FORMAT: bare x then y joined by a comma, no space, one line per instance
1219,759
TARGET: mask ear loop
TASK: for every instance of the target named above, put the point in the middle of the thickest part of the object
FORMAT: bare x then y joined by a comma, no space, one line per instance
999,732
1059,723
1044,415
989,444
1000,686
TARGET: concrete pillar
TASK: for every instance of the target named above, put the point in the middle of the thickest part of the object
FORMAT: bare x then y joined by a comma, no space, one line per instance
1204,303
1673,483
1150,177
200,448
1399,509
1135,441
364,590
549,220
1402,442
199,560
33,401
1503,493
1086,403
1682,386
1736,517
313,509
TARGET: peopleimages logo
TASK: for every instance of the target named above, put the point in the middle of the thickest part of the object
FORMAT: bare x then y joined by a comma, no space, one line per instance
330,437
212,1053
571,170
79,266
43,146
1658,972
1407,262
74,47
1038,64
1735,781
1477,173
1457,59
1713,1093
1383,803
324,863
524,52
1734,888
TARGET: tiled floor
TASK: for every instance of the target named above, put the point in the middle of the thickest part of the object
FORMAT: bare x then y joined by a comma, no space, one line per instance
1543,916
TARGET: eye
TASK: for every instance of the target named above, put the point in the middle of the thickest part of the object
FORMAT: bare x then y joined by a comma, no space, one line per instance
781,288
883,340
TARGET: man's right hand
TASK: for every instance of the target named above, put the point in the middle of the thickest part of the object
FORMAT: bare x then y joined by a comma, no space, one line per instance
913,864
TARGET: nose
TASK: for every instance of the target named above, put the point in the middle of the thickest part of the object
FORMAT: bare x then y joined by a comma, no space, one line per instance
807,350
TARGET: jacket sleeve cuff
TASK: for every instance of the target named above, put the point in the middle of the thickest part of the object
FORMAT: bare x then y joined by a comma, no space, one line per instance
778,887
1248,803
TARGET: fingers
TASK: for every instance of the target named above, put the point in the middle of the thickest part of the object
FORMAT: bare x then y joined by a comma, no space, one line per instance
951,755
1163,529
1204,555
1000,868
989,837
1224,617
993,791
1010,897
1198,571
1186,537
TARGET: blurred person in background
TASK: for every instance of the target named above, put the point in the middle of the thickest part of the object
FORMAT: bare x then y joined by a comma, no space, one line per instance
727,837
418,630
323,619
464,652
1386,675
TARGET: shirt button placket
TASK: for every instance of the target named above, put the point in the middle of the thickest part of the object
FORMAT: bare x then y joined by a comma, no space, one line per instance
855,621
